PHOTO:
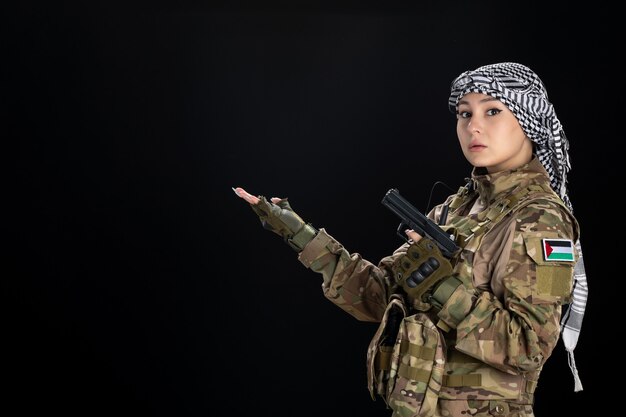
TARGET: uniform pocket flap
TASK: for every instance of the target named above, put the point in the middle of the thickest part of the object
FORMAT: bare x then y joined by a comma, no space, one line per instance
546,250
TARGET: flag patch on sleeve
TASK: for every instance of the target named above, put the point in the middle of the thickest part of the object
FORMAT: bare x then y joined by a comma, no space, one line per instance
558,250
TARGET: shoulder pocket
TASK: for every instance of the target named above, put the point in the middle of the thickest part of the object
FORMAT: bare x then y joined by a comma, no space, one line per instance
554,259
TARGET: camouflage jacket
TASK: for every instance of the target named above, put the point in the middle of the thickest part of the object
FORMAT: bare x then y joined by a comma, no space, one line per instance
496,329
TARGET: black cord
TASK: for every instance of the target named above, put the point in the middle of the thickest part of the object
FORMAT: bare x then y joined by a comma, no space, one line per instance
433,188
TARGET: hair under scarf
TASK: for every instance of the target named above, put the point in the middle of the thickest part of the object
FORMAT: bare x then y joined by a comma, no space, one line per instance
521,90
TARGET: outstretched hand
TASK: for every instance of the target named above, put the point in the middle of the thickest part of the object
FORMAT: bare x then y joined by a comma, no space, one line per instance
251,198
241,193
277,216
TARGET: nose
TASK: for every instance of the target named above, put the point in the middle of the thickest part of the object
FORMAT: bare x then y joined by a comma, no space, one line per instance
474,124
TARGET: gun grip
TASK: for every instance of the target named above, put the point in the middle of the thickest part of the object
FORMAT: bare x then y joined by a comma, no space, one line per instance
400,231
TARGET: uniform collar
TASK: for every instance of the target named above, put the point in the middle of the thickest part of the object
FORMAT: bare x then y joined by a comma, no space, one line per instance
493,186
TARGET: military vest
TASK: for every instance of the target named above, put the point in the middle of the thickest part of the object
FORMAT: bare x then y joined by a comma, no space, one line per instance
422,357
475,377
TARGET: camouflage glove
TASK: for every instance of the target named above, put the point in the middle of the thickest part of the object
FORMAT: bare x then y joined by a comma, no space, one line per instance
420,269
282,220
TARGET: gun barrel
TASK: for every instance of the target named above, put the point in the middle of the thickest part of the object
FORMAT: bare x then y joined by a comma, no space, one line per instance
419,222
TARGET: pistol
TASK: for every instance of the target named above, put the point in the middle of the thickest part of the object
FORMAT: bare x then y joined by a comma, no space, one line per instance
412,218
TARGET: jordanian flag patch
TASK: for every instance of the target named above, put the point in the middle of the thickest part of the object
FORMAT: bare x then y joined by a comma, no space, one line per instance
558,250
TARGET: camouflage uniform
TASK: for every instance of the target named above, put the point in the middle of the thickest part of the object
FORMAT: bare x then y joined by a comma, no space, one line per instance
480,352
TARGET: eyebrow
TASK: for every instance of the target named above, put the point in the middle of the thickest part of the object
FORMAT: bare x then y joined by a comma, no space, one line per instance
484,100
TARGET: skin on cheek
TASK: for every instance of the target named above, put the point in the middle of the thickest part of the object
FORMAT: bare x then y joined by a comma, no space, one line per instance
493,125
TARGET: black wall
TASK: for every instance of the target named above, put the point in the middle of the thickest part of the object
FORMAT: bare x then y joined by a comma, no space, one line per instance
137,283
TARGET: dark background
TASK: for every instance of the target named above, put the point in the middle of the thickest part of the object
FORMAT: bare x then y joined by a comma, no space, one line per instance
136,283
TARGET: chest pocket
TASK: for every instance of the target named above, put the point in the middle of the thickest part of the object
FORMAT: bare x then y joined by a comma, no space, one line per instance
554,261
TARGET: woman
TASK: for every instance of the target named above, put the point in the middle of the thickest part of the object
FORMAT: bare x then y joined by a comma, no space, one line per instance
467,335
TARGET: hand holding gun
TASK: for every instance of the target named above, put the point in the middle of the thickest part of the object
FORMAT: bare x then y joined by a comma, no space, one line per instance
413,219
426,262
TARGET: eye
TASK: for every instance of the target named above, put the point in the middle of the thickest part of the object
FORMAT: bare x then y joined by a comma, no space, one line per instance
463,114
493,112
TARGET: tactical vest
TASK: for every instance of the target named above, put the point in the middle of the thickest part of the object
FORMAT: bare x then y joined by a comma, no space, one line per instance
412,353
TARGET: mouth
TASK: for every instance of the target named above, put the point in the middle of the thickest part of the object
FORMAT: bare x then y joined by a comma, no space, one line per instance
476,147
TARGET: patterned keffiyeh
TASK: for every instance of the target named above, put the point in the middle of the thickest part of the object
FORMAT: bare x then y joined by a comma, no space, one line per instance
521,90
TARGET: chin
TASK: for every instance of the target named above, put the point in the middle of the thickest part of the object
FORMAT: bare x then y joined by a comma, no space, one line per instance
477,164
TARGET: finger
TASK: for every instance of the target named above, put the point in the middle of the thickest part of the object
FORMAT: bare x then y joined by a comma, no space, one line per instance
413,235
245,195
276,200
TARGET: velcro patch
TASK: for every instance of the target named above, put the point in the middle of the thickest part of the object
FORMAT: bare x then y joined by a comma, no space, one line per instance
558,250
554,280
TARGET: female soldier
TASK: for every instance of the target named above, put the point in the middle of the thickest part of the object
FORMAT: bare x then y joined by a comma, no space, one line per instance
468,334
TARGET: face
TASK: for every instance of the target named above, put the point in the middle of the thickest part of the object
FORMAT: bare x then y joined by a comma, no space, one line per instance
490,135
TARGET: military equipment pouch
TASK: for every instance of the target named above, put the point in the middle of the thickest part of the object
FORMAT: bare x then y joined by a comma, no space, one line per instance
416,368
420,269
380,349
406,360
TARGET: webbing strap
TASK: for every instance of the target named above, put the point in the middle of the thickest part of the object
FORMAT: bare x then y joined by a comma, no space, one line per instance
417,351
459,198
531,386
414,374
467,380
383,358
502,208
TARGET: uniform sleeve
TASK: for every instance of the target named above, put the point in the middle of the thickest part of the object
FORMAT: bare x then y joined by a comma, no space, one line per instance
354,284
518,332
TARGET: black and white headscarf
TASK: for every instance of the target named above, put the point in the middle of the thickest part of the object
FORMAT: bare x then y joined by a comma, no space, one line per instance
521,90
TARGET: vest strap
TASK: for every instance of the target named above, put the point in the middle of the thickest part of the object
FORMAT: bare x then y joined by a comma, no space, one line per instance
531,386
502,208
467,380
414,374
417,351
383,358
